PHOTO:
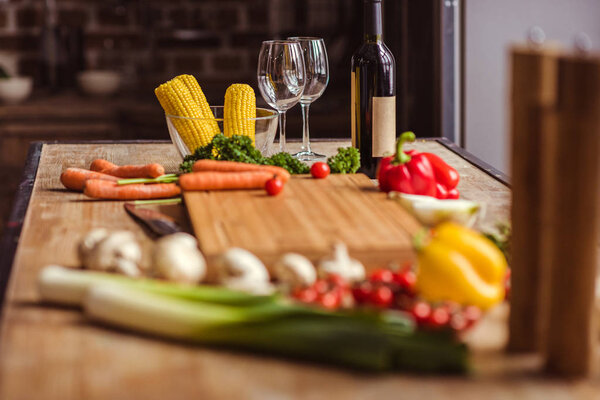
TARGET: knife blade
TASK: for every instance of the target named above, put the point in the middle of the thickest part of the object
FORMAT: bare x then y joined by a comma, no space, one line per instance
157,222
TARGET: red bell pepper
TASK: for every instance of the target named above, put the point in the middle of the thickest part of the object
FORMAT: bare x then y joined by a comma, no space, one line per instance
412,174
446,177
417,173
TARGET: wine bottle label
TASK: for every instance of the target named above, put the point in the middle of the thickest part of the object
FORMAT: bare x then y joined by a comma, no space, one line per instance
384,125
353,108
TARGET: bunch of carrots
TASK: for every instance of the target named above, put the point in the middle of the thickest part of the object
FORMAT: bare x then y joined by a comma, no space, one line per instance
105,180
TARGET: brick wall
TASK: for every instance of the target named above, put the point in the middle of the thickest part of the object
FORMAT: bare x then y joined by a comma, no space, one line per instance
152,40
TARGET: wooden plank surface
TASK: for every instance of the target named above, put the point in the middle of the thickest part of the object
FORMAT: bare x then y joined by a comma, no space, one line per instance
308,218
55,353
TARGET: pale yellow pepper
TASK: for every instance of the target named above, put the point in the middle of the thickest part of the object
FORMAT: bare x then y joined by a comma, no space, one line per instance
461,265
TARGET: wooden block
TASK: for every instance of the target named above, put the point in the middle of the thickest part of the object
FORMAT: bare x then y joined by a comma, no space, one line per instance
534,95
573,235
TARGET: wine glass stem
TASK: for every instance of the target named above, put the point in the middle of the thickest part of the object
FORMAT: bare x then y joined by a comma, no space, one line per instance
305,129
282,146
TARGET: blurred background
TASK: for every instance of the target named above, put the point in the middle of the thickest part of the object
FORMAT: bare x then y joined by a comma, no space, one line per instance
61,45
86,69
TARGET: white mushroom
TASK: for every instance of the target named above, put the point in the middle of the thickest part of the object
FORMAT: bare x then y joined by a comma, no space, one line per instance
295,270
239,269
88,242
177,258
342,265
118,251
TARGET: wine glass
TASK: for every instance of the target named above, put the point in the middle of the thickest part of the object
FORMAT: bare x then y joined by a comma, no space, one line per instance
281,78
317,77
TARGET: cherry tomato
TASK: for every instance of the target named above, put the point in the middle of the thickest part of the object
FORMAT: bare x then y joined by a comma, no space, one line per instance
421,311
274,186
330,300
362,292
439,317
321,286
382,296
319,170
382,275
307,295
407,280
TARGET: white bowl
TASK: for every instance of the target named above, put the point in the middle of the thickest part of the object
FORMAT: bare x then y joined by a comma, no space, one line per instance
15,89
99,83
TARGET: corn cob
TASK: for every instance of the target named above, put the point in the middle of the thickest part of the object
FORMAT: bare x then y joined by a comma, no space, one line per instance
240,105
177,99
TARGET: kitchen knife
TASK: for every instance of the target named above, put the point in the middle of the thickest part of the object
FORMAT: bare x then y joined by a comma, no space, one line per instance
157,222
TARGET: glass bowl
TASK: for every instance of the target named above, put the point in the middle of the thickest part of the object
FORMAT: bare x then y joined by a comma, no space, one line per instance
265,129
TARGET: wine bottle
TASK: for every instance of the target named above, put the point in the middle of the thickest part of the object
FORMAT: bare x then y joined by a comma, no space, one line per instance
373,93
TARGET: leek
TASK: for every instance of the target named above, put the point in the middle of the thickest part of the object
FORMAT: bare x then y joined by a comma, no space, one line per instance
367,340
68,286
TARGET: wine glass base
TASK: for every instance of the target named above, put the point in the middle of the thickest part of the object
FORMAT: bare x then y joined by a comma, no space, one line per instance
308,155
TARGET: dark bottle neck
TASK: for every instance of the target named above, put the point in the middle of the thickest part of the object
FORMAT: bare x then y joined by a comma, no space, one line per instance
373,24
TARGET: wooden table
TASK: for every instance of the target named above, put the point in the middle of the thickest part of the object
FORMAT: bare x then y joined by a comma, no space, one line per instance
55,353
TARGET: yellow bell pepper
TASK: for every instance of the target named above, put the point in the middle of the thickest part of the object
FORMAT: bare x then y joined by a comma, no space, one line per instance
461,265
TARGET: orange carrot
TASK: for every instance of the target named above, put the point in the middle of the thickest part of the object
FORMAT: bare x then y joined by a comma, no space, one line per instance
234,166
100,189
128,171
74,178
224,180
100,165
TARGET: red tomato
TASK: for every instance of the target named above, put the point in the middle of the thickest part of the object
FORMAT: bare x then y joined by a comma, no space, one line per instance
330,300
382,296
362,292
319,170
274,186
421,311
439,317
321,286
382,275
307,295
407,280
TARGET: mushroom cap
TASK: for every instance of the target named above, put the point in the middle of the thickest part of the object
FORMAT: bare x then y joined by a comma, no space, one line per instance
119,251
295,270
177,258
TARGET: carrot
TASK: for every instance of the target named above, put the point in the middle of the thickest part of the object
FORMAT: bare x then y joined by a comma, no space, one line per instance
99,165
74,178
128,171
224,180
100,189
234,166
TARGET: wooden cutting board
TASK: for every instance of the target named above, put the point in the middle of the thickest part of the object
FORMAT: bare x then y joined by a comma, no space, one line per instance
308,217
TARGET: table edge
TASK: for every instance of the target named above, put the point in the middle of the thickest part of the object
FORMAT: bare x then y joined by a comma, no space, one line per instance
10,239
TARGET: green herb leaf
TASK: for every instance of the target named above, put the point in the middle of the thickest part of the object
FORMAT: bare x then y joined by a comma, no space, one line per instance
346,161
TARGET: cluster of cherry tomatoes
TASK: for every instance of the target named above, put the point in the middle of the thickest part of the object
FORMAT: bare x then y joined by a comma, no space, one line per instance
389,289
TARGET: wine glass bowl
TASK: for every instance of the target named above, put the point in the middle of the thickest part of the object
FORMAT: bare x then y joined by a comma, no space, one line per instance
316,65
281,78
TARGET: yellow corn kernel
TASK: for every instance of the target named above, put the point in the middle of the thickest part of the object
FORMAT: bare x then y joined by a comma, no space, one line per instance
240,106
